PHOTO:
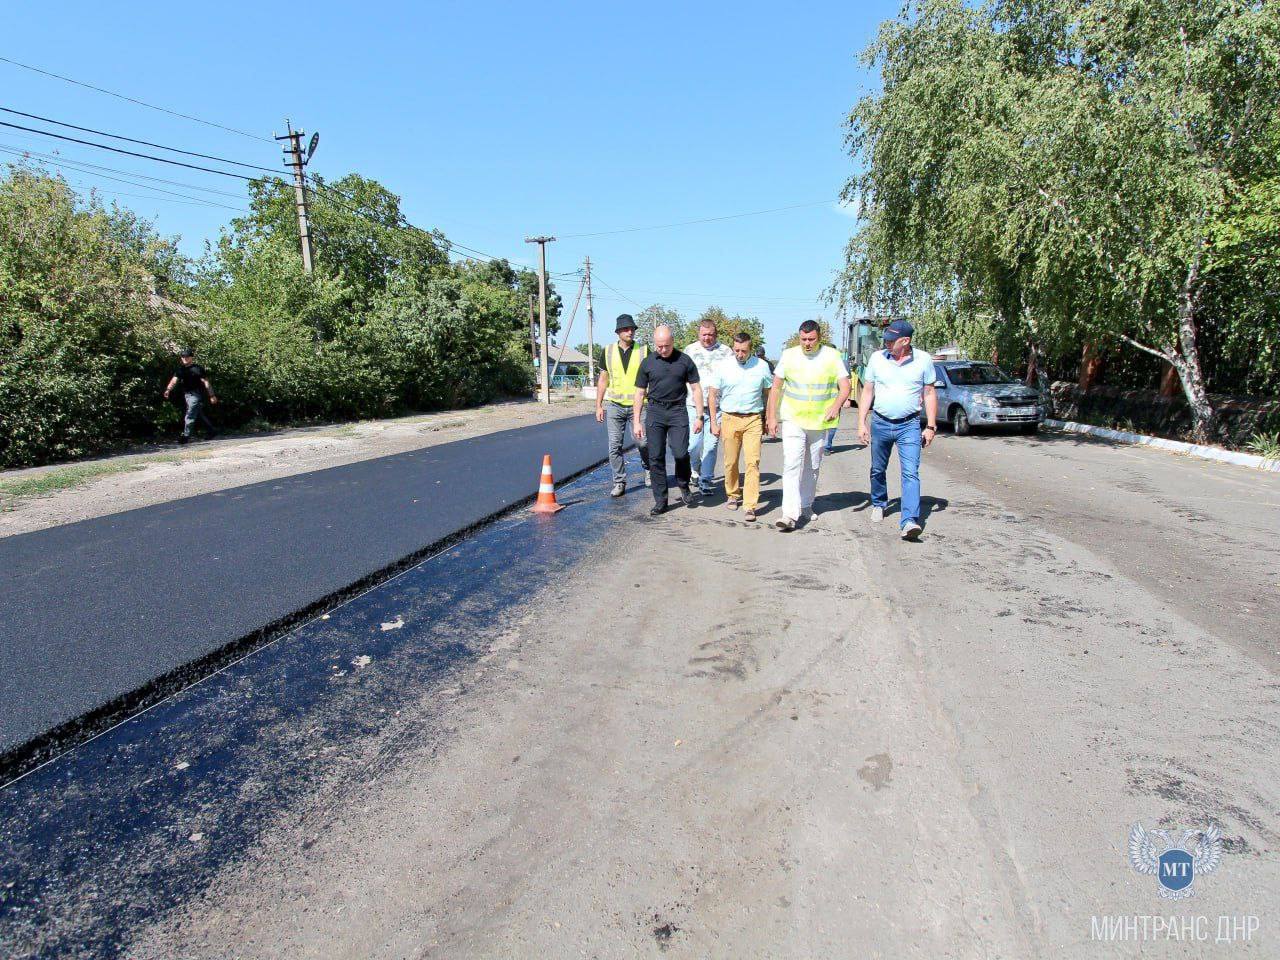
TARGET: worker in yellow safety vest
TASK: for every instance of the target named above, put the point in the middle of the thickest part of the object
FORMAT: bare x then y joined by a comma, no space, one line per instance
615,398
810,386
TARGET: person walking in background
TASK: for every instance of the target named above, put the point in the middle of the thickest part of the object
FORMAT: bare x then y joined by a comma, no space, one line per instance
899,383
615,394
810,385
193,383
665,378
735,400
705,352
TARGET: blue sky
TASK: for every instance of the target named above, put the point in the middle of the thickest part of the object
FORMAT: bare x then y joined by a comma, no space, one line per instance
494,122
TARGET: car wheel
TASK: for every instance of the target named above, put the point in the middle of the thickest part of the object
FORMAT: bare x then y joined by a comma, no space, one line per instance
1030,428
960,422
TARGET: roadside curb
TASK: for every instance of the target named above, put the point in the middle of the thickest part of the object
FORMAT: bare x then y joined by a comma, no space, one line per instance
1173,446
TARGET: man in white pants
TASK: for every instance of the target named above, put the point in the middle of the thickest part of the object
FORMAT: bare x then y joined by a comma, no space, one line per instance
810,385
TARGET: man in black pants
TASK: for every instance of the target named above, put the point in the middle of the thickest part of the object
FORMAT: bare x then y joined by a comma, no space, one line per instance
193,383
663,376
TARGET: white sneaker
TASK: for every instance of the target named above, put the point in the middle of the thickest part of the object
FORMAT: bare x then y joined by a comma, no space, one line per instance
693,476
911,531
877,514
648,480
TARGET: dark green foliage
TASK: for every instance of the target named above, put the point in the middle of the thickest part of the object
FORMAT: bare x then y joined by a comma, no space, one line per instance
386,324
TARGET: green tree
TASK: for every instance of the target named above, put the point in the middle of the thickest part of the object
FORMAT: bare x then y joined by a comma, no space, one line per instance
1061,166
657,315
726,327
82,354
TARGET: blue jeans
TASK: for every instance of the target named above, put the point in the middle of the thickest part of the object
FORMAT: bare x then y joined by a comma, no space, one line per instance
702,449
907,436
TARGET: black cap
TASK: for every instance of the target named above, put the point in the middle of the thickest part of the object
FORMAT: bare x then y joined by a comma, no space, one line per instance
625,322
187,352
898,329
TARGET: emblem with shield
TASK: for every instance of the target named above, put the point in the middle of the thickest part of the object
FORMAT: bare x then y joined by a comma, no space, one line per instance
1175,865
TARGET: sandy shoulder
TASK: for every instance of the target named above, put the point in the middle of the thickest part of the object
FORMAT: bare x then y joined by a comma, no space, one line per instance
163,473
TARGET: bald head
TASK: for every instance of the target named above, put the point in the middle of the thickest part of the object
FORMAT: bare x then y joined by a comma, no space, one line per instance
663,340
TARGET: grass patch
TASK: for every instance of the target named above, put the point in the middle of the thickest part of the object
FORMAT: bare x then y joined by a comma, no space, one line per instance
1265,445
76,475
63,478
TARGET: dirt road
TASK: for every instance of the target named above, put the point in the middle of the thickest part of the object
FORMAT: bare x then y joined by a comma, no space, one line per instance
711,739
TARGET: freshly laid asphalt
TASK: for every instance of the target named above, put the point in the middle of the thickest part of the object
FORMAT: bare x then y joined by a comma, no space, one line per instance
95,610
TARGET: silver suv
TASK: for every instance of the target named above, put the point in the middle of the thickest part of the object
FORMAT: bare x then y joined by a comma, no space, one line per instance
974,394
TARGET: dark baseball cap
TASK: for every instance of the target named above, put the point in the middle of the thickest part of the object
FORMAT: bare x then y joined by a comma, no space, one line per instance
899,328
187,352
625,322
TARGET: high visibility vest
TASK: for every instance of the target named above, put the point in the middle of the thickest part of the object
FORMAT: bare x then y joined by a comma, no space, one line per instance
622,383
810,387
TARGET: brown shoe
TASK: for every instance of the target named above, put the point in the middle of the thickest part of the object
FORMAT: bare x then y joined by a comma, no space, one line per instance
749,516
733,504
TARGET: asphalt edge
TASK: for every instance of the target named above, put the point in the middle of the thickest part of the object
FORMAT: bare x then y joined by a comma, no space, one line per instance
17,762
1172,446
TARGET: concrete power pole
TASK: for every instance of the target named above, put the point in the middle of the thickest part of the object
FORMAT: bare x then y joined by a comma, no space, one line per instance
591,336
545,392
533,334
298,162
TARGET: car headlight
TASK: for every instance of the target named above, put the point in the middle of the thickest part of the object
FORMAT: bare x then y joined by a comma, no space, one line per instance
985,400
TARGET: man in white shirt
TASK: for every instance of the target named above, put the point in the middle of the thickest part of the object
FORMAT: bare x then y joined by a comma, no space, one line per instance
899,384
705,352
810,384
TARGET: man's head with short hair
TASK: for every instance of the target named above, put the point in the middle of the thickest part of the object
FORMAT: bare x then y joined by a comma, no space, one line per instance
742,346
663,340
707,333
810,335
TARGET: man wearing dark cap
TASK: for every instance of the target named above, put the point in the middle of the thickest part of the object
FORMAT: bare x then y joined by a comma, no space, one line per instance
192,381
899,383
615,398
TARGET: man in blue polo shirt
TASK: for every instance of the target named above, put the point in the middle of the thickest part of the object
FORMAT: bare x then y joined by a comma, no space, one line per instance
899,383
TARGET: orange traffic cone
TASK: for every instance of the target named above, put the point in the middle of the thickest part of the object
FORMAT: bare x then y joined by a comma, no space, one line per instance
546,490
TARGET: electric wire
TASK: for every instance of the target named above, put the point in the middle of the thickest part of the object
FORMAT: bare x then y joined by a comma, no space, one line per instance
146,186
686,223
129,153
141,103
59,160
145,143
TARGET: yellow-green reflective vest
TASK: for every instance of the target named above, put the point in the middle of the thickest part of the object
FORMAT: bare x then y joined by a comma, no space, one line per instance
622,383
810,387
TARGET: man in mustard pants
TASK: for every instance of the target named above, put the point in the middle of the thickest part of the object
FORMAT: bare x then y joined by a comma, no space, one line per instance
810,385
736,394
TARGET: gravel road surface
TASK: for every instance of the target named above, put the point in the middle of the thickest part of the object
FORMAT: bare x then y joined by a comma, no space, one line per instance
609,736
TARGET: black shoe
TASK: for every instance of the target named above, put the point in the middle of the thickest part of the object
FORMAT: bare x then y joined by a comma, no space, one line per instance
183,441
658,510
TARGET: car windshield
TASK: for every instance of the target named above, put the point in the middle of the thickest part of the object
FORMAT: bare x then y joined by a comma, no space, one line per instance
976,373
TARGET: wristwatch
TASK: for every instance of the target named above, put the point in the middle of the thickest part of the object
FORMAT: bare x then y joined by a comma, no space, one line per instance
930,426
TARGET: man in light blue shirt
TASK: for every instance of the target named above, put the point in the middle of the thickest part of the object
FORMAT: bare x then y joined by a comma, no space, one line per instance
736,399
899,384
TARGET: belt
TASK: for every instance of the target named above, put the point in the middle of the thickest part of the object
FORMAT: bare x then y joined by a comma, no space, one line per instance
743,413
909,416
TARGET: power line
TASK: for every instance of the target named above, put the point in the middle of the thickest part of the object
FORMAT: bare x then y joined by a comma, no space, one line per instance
141,103
145,186
686,223
84,166
129,153
145,143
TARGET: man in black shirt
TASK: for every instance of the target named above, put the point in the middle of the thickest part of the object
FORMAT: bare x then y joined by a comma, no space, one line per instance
664,376
193,384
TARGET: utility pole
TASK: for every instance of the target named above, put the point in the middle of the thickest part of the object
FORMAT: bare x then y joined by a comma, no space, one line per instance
591,339
533,335
298,162
542,242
